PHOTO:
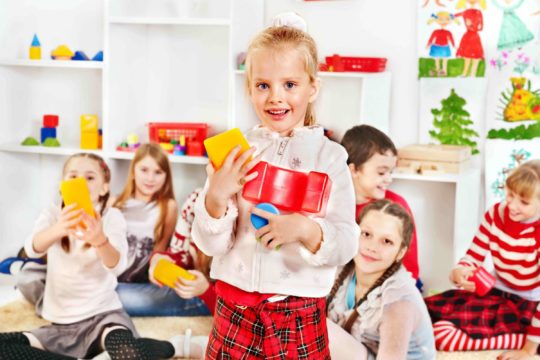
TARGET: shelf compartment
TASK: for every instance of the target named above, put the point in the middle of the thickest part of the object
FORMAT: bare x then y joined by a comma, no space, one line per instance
53,64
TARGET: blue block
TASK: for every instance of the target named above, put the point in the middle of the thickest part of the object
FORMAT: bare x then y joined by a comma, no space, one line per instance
98,56
257,221
80,55
47,133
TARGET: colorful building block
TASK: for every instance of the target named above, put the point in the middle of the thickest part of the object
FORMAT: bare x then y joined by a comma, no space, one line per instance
89,123
98,56
35,49
219,146
47,132
289,190
50,121
90,140
62,52
168,273
75,191
80,56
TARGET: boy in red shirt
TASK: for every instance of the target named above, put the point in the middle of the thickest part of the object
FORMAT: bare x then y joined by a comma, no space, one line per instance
372,158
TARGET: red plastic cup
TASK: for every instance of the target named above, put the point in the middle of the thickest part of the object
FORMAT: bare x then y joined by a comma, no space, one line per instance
483,280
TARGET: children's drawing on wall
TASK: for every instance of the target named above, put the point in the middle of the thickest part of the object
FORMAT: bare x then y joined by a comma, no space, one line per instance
520,102
441,58
452,112
440,41
501,157
453,124
513,33
470,47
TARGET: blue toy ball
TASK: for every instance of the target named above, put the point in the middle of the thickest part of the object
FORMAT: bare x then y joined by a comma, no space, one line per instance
257,221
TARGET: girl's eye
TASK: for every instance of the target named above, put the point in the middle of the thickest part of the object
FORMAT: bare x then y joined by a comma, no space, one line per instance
388,242
365,234
290,85
72,176
158,172
90,178
262,86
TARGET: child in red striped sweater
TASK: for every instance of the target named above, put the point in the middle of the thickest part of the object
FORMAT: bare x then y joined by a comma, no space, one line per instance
508,316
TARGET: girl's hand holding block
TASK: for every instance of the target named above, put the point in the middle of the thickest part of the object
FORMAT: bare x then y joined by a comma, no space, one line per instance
168,273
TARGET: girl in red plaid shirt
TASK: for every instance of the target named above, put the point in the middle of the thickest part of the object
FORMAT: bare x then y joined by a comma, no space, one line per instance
508,316
272,282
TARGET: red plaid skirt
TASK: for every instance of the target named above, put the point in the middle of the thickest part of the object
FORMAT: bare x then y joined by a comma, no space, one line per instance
294,328
494,314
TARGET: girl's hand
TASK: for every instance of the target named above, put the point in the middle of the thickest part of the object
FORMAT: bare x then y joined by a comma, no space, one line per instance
93,234
282,229
229,179
68,220
153,262
188,289
460,277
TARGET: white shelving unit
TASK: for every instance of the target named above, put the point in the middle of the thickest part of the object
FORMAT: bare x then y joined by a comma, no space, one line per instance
164,61
445,224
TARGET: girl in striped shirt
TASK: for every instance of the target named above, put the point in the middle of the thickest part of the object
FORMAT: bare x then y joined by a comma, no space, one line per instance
508,316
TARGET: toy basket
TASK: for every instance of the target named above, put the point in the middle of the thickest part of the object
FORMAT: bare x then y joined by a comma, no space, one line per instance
166,132
359,64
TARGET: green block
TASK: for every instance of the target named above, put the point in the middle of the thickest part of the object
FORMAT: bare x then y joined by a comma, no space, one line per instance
30,141
51,142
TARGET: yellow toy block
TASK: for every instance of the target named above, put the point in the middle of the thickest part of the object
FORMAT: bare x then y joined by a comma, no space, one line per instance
167,147
132,139
35,53
219,146
89,123
62,52
168,273
75,191
90,140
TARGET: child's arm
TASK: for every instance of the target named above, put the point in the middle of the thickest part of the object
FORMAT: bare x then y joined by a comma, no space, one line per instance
480,245
339,230
50,228
215,208
113,250
399,320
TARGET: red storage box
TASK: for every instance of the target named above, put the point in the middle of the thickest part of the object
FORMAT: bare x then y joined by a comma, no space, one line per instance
165,132
359,64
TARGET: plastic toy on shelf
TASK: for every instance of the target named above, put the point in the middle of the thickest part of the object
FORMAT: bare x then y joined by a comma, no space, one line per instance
219,146
62,52
89,132
179,138
131,145
30,141
98,56
35,49
337,63
289,190
80,56
168,273
48,131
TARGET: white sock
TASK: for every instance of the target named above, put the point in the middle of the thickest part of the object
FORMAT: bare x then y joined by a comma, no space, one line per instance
188,346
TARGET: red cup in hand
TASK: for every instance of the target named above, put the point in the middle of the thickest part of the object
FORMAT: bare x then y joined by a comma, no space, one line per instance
483,280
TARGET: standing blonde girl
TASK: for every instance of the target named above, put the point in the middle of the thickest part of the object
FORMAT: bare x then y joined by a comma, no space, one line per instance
374,297
80,298
272,282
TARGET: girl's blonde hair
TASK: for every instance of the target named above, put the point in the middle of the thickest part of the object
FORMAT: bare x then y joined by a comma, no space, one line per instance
103,199
285,38
525,179
462,4
440,14
407,227
161,197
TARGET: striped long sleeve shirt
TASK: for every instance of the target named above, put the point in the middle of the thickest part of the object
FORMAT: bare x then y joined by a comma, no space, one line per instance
515,249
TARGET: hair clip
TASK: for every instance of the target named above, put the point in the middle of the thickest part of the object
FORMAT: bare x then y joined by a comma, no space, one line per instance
434,16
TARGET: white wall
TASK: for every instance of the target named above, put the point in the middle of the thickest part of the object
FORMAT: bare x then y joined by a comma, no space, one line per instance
382,28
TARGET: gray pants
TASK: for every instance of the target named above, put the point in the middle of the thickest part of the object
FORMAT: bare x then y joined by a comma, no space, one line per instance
31,283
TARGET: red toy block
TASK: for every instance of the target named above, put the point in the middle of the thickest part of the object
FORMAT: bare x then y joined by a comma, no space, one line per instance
50,121
195,148
289,190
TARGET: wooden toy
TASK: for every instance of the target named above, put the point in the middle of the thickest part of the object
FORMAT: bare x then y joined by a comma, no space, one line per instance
75,191
62,52
422,159
89,132
219,146
35,49
168,273
51,142
289,190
